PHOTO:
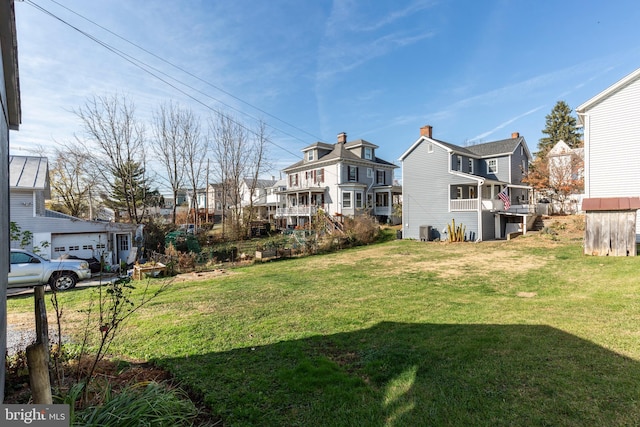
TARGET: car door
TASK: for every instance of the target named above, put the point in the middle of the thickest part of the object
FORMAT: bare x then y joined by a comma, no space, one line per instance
25,269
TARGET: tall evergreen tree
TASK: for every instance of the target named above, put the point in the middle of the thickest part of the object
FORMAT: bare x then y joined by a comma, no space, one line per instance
130,192
560,125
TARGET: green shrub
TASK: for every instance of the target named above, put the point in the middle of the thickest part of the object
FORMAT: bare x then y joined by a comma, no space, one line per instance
140,404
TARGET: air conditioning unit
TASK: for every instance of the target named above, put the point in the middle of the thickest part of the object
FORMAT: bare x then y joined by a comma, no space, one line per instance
425,233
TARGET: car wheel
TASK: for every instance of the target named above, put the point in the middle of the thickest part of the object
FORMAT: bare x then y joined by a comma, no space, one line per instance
63,281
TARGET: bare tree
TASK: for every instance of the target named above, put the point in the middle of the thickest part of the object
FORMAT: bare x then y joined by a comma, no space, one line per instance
110,124
71,181
239,153
257,165
195,152
169,128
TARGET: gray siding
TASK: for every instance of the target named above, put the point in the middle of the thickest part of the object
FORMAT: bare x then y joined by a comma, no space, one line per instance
426,184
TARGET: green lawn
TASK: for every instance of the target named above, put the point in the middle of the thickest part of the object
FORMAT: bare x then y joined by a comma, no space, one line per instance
525,332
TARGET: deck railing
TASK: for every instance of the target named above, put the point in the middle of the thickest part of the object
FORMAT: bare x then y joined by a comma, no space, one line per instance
296,211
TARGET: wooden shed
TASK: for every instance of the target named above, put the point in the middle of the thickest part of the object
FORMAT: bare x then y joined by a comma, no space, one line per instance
610,226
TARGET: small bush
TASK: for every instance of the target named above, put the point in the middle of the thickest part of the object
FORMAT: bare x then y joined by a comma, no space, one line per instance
362,229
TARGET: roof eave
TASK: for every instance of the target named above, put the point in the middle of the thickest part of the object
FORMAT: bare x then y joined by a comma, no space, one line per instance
608,91
10,62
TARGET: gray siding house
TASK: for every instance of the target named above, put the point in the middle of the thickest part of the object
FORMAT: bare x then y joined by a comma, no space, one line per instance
11,119
443,181
345,178
56,234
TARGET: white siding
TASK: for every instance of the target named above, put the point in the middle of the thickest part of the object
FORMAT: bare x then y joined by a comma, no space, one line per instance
612,145
614,150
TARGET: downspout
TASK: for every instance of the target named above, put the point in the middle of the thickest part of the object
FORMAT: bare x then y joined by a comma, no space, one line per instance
479,237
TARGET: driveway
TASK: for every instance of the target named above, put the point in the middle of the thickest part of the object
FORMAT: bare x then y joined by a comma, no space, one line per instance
94,281
21,335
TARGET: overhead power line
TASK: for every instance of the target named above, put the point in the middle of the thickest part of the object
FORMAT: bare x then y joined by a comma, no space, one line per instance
147,69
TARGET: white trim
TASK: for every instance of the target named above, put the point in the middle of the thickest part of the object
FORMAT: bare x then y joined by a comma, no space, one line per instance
608,91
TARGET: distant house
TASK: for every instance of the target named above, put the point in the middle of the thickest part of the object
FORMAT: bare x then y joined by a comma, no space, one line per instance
254,194
345,178
56,234
443,181
566,168
612,141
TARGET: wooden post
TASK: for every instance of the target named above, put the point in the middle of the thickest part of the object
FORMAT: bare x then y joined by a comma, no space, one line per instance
42,324
38,363
38,353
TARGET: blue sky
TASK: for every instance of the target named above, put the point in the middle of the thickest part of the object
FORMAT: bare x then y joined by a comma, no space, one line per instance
379,70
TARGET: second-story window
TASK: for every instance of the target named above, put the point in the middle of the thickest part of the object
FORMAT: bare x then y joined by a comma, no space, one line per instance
470,165
353,173
368,153
380,177
492,166
459,163
293,180
319,177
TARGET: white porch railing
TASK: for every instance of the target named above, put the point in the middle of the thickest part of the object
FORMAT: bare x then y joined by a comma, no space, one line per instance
488,205
463,205
296,211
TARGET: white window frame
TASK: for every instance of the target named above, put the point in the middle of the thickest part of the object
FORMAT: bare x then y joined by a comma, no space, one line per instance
369,173
368,153
346,199
493,170
310,156
458,193
359,199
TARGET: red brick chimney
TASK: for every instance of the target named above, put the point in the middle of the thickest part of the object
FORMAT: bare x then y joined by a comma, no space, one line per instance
342,138
426,131
515,135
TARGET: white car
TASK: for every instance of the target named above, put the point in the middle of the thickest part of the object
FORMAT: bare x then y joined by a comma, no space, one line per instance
29,269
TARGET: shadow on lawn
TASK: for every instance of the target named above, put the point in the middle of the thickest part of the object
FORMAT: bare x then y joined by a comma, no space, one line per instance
420,374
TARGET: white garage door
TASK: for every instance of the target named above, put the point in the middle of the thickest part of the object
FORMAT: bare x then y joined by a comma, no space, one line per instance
81,245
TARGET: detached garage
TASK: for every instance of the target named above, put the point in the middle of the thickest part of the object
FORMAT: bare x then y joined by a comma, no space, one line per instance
610,228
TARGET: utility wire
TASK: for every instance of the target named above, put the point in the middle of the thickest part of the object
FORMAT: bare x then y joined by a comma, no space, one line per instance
147,69
187,72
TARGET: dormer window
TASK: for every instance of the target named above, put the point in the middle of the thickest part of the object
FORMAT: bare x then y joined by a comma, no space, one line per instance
310,156
368,153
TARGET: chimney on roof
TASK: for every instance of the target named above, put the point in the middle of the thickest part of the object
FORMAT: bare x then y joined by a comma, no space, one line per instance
342,138
426,131
515,135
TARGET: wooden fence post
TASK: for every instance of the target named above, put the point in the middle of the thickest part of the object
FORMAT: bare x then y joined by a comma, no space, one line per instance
38,353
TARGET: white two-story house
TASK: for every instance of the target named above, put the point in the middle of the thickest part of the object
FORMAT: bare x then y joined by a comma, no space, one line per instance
345,178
